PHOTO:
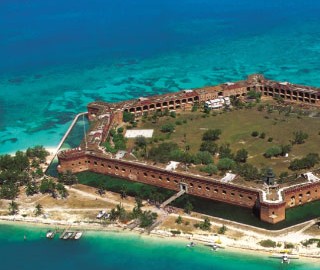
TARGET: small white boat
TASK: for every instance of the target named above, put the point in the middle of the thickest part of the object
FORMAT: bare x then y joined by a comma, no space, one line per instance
285,259
67,235
191,245
78,235
50,234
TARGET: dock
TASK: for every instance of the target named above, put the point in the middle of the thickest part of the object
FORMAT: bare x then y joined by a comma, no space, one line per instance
64,138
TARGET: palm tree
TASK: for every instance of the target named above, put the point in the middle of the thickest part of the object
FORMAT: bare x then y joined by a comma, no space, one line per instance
123,192
38,209
13,208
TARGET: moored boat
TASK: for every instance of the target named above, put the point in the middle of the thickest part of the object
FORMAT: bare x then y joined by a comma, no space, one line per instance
50,234
67,236
78,235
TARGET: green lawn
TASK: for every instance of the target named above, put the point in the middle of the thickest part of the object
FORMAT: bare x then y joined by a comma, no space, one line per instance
237,126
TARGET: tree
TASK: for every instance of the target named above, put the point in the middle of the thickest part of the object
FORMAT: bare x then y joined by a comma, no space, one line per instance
254,133
68,178
211,135
140,142
163,152
222,229
248,171
37,152
32,188
210,169
188,207
205,225
179,220
167,128
226,164
241,155
20,161
285,149
9,191
225,151
209,146
123,192
13,208
136,211
307,162
273,151
62,190
299,137
101,188
47,186
128,117
147,218
38,209
204,157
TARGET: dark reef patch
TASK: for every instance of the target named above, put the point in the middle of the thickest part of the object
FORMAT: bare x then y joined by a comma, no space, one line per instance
62,118
185,80
11,140
16,80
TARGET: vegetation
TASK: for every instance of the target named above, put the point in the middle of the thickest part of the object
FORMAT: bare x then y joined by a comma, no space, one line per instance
22,169
211,135
147,218
305,163
128,117
229,132
209,146
179,220
226,164
38,209
37,152
268,243
188,207
67,178
299,137
222,229
13,208
167,128
241,156
205,225
210,169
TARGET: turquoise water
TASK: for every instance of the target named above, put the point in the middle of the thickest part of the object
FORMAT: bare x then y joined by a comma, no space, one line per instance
56,57
120,251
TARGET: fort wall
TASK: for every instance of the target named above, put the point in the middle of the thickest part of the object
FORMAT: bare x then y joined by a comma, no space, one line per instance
106,115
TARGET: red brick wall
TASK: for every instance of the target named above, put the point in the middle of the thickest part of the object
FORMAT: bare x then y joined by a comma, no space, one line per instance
162,178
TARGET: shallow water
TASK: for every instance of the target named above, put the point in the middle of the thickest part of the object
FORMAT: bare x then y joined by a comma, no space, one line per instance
97,250
56,57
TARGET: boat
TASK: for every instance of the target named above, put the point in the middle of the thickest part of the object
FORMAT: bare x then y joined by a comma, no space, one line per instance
285,259
67,235
50,234
214,247
78,235
192,244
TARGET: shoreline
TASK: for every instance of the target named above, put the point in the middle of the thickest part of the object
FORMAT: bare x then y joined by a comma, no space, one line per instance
155,234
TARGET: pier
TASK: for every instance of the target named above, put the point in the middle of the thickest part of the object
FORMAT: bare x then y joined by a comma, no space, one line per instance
64,137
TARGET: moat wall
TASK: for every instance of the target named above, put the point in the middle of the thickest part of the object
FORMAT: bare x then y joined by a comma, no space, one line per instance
198,186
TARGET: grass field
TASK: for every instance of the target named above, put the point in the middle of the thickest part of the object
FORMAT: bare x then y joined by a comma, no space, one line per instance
237,126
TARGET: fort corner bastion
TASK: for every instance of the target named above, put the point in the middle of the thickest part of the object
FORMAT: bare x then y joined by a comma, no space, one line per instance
91,156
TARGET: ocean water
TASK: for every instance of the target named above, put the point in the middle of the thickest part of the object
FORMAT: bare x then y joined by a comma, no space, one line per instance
107,250
56,56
